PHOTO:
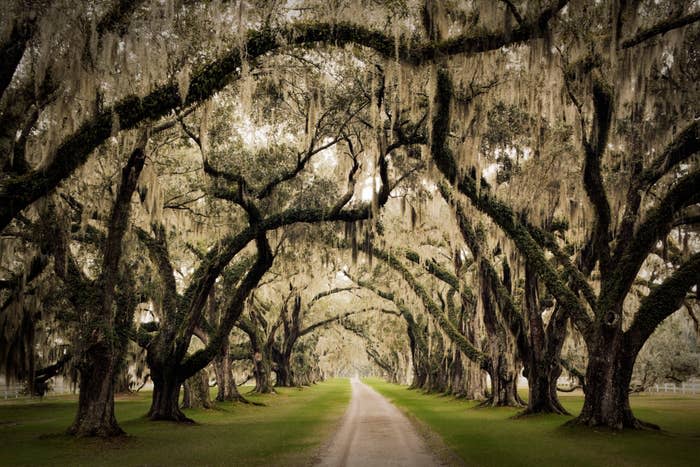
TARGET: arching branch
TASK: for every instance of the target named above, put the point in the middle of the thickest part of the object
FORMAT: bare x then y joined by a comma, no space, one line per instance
16,193
498,211
663,301
660,28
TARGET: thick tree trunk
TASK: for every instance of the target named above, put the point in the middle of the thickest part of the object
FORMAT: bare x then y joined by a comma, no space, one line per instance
283,372
542,383
456,384
95,415
504,383
442,375
420,375
196,392
418,357
262,369
503,367
474,382
542,367
122,382
608,377
226,384
222,371
166,394
474,377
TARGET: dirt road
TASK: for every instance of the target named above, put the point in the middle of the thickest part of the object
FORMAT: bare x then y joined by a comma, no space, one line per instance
375,433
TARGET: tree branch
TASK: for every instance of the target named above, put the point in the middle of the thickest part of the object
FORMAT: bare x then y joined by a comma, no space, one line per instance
684,145
469,350
16,193
499,212
592,178
663,301
660,28
657,225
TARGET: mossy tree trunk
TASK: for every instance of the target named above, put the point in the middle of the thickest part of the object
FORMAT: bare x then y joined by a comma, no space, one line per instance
618,250
196,392
503,367
109,311
167,383
542,367
95,416
227,390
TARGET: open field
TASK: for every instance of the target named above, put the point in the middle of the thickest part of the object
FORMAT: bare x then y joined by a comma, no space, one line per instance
286,431
490,437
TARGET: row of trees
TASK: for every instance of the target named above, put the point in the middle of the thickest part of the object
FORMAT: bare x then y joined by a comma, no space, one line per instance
550,146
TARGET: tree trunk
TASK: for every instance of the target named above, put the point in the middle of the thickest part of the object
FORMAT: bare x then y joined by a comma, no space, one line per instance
226,383
166,394
457,373
503,367
542,367
418,356
542,383
196,392
474,382
95,415
608,377
262,369
283,372
504,383
227,390
122,382
474,376
420,375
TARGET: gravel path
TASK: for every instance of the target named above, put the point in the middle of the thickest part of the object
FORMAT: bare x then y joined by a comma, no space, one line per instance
374,432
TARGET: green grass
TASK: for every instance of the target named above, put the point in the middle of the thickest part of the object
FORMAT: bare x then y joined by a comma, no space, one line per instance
488,436
286,431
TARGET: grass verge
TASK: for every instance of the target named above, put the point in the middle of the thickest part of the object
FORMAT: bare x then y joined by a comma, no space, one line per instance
286,431
489,437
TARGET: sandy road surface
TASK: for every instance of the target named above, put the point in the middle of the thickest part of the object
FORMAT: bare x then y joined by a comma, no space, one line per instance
375,433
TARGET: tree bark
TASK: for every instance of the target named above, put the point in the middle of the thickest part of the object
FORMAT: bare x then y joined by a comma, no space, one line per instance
504,383
196,392
226,384
283,371
101,344
502,366
544,347
95,415
608,377
166,393
262,369
474,382
542,384
457,385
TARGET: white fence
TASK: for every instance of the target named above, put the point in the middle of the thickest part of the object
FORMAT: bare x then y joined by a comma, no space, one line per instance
682,388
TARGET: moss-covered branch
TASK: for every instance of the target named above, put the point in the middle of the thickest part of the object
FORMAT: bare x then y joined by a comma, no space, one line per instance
663,301
656,226
467,348
507,307
684,145
325,322
201,358
158,251
660,28
594,148
16,193
498,211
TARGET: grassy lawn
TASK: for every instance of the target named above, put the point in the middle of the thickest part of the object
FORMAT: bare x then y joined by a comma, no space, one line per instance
489,437
284,432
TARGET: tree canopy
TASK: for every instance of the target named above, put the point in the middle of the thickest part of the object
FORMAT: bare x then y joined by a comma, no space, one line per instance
465,190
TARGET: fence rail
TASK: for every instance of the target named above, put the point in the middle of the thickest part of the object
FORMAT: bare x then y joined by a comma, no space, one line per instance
682,388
